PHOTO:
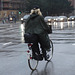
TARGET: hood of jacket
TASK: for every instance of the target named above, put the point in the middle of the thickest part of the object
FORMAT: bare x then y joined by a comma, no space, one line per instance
31,17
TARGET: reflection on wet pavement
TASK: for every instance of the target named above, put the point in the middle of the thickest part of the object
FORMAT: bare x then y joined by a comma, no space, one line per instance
63,33
9,33
48,70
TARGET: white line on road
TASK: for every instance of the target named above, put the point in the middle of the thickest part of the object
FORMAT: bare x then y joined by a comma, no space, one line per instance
73,44
7,43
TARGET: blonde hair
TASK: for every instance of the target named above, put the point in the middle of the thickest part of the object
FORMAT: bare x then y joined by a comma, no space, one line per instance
36,11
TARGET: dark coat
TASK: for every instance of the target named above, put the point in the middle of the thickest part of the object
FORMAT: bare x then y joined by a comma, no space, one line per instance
35,24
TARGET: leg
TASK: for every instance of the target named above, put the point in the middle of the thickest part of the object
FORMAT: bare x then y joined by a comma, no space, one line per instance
35,48
45,44
36,52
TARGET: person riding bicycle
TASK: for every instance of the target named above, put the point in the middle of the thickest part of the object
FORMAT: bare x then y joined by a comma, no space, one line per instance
35,24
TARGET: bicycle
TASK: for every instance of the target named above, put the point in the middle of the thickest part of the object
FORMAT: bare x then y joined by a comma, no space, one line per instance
34,63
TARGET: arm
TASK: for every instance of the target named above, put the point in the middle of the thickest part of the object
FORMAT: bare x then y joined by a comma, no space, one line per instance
44,25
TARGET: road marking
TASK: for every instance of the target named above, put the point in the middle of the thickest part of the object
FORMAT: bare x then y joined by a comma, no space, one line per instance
73,44
7,43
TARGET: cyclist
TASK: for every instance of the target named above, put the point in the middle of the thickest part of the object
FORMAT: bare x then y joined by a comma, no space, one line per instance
35,24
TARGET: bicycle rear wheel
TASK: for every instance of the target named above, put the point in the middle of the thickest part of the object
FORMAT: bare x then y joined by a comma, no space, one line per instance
31,61
50,53
32,64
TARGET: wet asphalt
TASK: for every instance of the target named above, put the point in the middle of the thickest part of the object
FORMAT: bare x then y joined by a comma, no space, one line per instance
13,56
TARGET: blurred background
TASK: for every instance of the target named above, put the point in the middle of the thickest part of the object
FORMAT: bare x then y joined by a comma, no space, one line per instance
19,8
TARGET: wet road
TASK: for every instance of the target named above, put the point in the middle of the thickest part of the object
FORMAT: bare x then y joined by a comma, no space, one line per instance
63,32
13,60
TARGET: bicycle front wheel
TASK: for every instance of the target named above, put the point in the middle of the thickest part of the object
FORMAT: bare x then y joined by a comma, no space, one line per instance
50,53
32,64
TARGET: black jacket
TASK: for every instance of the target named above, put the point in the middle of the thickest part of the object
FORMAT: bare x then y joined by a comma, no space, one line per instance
35,24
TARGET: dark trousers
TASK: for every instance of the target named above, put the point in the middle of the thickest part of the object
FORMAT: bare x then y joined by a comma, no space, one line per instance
35,48
43,39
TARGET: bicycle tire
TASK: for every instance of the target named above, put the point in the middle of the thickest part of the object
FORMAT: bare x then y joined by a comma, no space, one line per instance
32,64
51,51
